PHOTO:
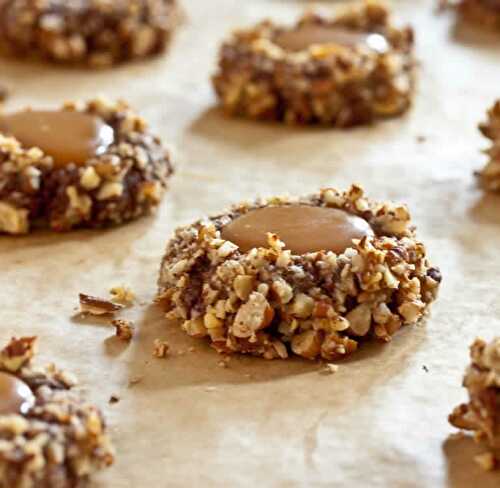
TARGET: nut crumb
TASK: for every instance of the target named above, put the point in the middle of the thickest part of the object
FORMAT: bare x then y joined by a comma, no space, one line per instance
97,306
486,461
17,353
114,399
329,368
124,329
122,295
161,348
134,380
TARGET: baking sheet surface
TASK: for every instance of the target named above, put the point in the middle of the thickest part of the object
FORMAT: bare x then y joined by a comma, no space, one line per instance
381,420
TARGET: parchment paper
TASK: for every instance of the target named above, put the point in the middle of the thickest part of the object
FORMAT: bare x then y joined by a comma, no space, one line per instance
381,420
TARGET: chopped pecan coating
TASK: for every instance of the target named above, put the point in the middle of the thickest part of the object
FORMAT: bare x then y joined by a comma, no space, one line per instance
61,440
98,33
482,413
97,306
125,182
489,176
482,13
270,302
330,84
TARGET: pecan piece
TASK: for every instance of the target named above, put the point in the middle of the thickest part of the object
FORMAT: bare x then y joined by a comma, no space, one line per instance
252,316
124,329
97,306
17,353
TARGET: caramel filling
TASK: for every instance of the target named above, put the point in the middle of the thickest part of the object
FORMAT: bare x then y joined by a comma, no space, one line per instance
69,137
302,228
308,35
16,396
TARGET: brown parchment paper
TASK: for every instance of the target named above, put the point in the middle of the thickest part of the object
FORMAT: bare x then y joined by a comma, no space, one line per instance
381,420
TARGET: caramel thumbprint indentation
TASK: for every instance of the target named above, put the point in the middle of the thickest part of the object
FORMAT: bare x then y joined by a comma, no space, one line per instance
309,35
16,396
302,228
67,136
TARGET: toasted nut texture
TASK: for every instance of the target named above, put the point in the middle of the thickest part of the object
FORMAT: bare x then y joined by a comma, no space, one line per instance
97,33
333,84
479,13
123,183
17,353
97,306
61,440
482,413
489,176
270,302
252,316
124,329
123,295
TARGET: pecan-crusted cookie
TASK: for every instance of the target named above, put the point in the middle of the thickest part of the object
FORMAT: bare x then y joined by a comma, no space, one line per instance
95,32
482,413
102,166
269,300
49,437
485,13
489,176
342,71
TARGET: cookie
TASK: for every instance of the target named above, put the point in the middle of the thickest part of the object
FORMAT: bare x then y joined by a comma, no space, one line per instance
313,276
85,165
94,32
489,176
483,13
343,71
49,436
482,413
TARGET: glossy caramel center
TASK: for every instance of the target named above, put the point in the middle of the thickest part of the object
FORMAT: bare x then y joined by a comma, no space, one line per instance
16,396
69,137
302,228
308,35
